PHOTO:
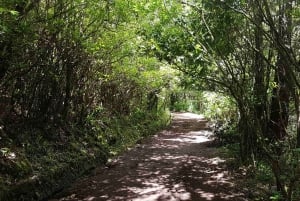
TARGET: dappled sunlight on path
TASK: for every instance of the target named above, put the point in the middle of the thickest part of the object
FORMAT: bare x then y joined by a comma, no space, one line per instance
176,164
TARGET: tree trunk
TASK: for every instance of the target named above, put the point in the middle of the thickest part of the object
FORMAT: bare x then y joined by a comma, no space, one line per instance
281,92
297,108
279,114
67,91
260,92
280,105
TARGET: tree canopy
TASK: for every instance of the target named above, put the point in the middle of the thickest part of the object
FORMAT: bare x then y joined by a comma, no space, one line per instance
67,61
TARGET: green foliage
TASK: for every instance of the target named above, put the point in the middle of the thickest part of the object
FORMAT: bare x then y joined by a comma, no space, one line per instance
72,148
106,66
181,107
14,163
264,173
276,196
185,100
218,107
215,106
72,57
226,133
118,133
239,48
76,83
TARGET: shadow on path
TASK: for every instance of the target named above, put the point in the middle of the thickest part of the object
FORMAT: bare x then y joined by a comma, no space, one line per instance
176,164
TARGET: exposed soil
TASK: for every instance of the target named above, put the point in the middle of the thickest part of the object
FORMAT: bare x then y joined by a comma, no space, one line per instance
176,164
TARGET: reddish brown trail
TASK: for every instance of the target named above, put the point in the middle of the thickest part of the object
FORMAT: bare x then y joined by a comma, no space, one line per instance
175,164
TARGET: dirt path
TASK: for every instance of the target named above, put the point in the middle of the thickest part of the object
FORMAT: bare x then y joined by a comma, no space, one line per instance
176,164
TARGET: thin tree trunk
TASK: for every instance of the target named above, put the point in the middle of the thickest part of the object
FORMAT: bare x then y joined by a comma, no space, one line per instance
297,108
260,92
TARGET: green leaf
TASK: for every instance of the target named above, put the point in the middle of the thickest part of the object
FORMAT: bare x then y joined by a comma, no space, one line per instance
2,10
13,12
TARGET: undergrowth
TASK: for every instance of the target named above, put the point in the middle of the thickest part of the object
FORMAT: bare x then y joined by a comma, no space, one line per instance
40,155
258,181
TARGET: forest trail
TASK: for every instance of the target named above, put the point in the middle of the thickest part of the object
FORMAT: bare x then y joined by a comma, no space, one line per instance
175,164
